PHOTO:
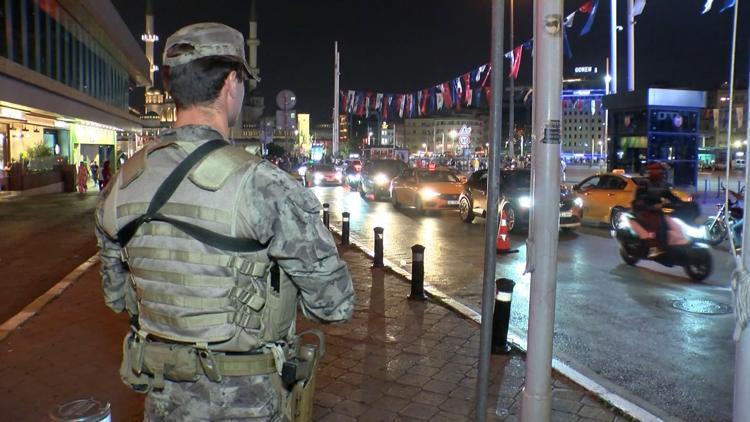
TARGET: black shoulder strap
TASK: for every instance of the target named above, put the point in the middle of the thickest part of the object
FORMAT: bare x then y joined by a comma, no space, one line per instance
167,189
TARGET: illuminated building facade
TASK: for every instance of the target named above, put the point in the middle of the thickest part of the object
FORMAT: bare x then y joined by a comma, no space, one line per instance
66,68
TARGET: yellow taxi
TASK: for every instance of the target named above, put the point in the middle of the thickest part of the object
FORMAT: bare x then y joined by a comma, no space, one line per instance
426,189
606,195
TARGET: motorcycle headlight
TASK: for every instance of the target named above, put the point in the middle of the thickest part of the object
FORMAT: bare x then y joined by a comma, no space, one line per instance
301,171
318,176
578,202
428,193
381,179
524,202
339,176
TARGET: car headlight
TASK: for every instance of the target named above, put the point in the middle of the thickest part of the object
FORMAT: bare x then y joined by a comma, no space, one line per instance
301,171
381,179
318,176
578,202
524,202
428,193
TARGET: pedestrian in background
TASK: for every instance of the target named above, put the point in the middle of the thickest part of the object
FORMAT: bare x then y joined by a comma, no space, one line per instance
95,173
213,278
106,175
83,177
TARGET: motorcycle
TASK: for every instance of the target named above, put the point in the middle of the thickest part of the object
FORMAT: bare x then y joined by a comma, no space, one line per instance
716,226
688,252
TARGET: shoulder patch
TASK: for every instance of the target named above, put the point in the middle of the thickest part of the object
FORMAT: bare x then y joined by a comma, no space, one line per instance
213,170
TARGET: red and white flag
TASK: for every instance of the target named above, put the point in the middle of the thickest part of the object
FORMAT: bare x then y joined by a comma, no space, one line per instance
587,7
516,64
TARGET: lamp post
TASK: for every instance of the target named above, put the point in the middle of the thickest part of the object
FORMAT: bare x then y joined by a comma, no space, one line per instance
607,81
452,135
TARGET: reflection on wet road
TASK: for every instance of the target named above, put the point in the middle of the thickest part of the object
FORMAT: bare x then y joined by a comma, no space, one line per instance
615,320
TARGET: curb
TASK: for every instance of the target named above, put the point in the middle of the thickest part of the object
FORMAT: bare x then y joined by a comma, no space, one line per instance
39,303
517,340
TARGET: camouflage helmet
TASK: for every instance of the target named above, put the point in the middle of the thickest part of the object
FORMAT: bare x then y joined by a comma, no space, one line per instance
205,39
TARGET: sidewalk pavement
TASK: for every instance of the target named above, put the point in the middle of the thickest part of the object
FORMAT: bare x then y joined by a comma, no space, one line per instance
395,360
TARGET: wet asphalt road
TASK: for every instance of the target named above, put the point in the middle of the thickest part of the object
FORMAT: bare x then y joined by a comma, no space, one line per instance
42,239
613,322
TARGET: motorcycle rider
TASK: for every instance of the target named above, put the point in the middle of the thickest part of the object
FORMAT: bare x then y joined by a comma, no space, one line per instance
647,205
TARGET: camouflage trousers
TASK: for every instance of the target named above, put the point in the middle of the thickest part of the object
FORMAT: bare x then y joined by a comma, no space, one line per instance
233,399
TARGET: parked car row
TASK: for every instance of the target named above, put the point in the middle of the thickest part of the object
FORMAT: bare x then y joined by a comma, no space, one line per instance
598,199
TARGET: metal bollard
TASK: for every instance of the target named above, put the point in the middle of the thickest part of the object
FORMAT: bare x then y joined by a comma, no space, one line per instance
501,316
718,187
345,228
326,215
377,260
417,273
705,190
88,409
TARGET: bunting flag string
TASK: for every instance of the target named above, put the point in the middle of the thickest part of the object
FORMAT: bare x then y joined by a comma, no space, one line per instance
472,89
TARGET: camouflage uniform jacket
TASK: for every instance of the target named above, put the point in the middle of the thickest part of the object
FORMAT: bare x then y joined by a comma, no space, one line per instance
278,211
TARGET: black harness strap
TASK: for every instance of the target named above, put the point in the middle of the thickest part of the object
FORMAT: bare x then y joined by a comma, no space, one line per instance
167,189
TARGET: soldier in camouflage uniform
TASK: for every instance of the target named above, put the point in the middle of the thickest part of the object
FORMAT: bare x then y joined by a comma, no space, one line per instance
212,326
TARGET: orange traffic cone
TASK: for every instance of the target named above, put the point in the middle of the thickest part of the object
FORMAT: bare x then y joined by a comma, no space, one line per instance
502,243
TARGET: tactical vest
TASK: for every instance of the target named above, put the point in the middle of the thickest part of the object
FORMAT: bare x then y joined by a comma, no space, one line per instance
187,290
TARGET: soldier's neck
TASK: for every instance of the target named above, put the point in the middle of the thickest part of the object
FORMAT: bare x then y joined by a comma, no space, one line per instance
203,116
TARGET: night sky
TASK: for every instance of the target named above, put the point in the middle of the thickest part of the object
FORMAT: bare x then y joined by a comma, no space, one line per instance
406,45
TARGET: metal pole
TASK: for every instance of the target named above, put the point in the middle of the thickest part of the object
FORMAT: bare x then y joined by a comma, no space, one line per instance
741,406
336,99
536,398
511,100
493,189
613,43
631,47
606,118
729,120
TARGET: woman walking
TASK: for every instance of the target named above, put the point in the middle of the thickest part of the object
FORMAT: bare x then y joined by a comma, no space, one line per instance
83,177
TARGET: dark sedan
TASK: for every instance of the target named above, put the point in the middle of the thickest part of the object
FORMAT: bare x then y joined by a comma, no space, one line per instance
375,180
515,187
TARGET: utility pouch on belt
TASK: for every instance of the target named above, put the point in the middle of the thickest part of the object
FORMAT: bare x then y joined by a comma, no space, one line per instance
140,383
298,374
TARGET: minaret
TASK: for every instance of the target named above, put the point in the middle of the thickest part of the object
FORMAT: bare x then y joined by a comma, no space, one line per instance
149,37
252,45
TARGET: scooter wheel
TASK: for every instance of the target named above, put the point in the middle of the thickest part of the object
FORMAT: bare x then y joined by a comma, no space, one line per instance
715,232
629,259
700,265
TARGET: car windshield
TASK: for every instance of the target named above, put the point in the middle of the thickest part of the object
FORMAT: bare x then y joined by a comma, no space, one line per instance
519,179
324,167
388,166
437,177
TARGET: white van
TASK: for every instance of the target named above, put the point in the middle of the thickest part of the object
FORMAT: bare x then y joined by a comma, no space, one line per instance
738,163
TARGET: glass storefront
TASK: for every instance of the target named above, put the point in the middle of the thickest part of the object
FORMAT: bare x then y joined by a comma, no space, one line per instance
42,36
